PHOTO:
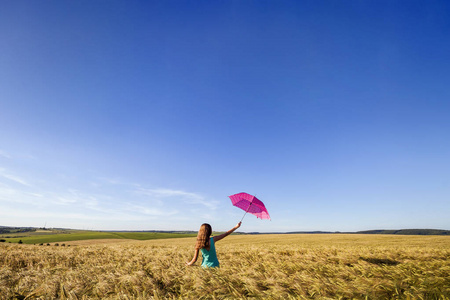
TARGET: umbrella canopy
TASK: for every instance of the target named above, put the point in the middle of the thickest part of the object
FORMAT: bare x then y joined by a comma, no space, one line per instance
250,204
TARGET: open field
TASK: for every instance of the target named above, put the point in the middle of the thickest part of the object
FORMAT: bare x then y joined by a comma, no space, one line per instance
252,266
56,236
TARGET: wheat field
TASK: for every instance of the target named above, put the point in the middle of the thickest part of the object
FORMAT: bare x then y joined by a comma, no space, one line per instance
335,266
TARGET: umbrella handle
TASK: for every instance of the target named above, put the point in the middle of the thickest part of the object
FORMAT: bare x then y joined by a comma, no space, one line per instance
243,216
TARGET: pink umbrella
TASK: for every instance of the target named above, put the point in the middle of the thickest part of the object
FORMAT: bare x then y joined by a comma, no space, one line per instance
250,204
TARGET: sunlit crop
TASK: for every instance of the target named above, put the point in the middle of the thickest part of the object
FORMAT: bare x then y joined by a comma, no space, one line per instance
252,266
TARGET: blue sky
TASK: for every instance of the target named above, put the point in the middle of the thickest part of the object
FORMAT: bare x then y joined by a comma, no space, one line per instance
141,115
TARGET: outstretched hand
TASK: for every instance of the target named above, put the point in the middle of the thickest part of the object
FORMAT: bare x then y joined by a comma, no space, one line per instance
238,225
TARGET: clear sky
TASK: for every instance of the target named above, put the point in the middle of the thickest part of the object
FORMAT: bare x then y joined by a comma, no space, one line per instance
147,115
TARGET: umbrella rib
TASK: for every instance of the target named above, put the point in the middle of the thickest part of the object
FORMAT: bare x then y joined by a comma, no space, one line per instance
246,211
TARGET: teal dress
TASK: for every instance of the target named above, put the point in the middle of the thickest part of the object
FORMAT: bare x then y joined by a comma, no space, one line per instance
209,259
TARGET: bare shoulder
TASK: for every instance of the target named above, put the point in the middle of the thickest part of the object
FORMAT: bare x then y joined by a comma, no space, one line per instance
218,237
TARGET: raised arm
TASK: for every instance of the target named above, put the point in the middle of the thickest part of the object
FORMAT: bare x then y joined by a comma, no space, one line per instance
194,259
219,237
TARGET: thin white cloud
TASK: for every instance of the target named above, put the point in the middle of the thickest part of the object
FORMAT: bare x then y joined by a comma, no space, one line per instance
186,197
78,199
97,201
65,201
211,204
12,195
29,213
36,195
5,155
158,196
113,181
151,211
6,192
17,179
165,193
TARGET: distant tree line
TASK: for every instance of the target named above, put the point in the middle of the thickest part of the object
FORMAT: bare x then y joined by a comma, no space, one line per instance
408,232
4,230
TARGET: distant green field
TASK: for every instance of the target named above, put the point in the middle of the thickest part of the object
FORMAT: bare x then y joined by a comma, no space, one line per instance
75,235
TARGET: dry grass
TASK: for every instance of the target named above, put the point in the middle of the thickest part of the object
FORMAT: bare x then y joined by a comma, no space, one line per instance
261,266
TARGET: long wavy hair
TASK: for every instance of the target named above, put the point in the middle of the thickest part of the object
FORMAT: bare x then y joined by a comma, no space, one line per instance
203,236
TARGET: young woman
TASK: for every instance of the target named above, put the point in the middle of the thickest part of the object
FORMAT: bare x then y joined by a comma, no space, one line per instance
206,245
